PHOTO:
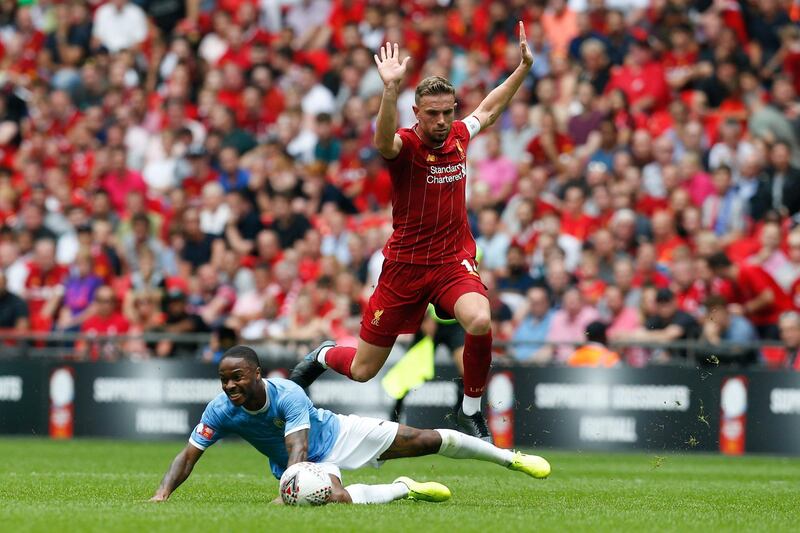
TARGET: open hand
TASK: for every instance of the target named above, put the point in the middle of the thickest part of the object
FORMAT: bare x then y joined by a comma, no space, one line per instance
389,66
527,56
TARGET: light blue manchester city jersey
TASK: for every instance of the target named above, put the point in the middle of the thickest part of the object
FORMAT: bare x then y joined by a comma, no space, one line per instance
287,410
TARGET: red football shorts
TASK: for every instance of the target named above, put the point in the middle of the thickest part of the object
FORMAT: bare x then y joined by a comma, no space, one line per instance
404,290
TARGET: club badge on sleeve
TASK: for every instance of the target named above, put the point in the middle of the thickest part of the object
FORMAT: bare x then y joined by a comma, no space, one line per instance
207,432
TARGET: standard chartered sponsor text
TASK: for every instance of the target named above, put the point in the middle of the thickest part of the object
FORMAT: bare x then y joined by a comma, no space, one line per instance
446,174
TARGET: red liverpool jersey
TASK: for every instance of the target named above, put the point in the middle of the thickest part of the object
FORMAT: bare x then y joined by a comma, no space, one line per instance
429,212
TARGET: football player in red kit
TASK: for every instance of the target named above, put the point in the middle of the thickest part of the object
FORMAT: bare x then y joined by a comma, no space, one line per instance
430,256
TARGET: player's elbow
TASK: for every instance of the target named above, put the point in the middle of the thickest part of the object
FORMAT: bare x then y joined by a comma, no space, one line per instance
386,149
487,116
381,142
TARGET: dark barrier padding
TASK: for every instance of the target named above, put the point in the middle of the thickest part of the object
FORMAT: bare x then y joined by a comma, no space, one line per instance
658,408
619,409
773,412
23,398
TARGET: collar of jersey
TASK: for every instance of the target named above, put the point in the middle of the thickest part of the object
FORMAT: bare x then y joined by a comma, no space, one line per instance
443,148
266,404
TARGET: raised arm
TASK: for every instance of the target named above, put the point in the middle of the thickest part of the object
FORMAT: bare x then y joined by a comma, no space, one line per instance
178,471
496,101
391,71
297,446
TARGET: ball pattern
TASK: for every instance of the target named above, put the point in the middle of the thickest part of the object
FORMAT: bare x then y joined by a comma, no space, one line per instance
305,484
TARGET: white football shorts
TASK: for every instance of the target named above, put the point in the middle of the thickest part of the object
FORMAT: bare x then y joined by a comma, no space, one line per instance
361,441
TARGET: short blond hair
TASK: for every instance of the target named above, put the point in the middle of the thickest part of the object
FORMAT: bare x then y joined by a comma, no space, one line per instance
433,85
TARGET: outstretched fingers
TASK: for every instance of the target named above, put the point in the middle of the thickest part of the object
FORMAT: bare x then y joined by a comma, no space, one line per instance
522,38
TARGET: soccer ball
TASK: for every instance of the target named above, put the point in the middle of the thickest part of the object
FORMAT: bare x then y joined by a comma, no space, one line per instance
305,484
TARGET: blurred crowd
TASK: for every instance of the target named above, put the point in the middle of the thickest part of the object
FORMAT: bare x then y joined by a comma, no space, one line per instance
207,166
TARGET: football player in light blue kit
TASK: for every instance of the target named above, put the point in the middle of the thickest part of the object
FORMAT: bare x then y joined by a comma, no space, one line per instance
278,419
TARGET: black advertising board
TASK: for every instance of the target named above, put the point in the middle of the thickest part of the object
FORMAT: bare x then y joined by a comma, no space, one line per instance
23,398
773,412
142,400
616,409
657,408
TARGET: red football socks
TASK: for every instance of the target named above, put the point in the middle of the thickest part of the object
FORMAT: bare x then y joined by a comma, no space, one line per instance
477,360
339,358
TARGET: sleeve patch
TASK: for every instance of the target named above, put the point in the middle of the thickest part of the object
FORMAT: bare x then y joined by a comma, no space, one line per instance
207,432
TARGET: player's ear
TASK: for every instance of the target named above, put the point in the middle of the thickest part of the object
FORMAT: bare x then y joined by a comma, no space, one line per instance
416,110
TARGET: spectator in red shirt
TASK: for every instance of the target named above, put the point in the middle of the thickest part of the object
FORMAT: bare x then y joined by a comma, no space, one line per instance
374,191
44,286
200,172
646,272
589,282
574,221
104,320
30,41
755,294
689,291
694,179
680,60
119,180
641,79
547,147
665,236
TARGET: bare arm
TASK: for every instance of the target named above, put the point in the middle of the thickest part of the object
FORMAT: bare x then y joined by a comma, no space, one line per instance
178,471
391,71
668,334
496,101
297,447
235,239
764,299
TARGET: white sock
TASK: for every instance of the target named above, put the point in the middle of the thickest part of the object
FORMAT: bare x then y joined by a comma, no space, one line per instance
321,356
457,445
470,405
377,493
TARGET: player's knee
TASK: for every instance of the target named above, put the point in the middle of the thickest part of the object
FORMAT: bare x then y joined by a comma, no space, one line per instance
429,441
478,324
340,495
363,373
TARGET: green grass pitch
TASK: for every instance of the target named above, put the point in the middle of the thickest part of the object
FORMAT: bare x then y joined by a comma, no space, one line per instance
93,485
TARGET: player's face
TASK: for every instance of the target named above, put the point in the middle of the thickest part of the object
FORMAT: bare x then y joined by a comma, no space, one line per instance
239,379
435,115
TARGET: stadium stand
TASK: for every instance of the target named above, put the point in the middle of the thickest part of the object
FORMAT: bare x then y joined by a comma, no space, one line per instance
207,167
